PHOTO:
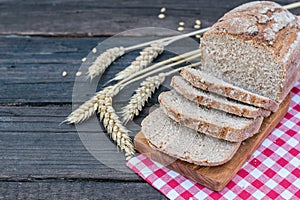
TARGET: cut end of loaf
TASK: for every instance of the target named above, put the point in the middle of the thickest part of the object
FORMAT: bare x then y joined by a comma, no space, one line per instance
244,64
215,101
254,46
212,122
184,143
207,82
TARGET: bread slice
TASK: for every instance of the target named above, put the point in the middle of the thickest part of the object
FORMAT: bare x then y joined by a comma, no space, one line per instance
204,81
186,144
218,102
208,121
255,46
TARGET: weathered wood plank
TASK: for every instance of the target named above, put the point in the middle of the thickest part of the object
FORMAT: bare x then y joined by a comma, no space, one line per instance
31,67
34,146
102,18
77,190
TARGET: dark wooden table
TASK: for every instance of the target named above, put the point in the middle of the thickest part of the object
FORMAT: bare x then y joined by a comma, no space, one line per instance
41,159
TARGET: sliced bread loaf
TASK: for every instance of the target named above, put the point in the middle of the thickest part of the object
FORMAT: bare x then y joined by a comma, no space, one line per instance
215,101
186,144
255,46
208,121
204,81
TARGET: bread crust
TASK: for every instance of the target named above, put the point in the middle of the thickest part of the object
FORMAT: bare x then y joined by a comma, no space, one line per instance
270,26
292,73
208,151
214,129
251,14
194,77
188,91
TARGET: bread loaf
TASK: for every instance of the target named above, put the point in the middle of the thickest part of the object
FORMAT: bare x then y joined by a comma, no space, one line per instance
250,62
207,82
208,121
181,142
255,46
215,101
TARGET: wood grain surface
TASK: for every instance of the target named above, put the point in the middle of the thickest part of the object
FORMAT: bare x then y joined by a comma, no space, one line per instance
217,177
106,17
41,159
80,189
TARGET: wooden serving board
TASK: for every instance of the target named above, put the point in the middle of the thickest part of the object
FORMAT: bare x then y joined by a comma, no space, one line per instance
215,178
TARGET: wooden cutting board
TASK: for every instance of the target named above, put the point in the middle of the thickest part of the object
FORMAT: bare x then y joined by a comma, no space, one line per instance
215,178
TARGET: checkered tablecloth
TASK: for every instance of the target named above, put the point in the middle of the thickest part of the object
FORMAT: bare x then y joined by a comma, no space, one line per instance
273,171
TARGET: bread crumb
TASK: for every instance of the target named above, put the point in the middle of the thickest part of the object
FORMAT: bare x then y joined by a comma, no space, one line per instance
163,9
181,23
94,50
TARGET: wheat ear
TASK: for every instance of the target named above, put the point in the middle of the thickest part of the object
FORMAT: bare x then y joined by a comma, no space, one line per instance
130,80
145,91
141,96
147,55
113,125
88,108
104,60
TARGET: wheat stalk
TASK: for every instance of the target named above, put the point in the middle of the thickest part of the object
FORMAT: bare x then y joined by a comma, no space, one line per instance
160,66
145,58
104,60
142,94
145,91
113,125
131,79
102,102
88,108
292,5
110,55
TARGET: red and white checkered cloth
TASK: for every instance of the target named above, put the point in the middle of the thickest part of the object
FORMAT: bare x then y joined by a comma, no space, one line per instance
273,171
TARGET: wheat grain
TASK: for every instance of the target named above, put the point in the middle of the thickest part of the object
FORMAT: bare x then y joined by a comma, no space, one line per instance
78,73
64,74
88,108
180,28
141,96
198,22
145,58
163,10
196,26
104,60
113,125
181,23
161,16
